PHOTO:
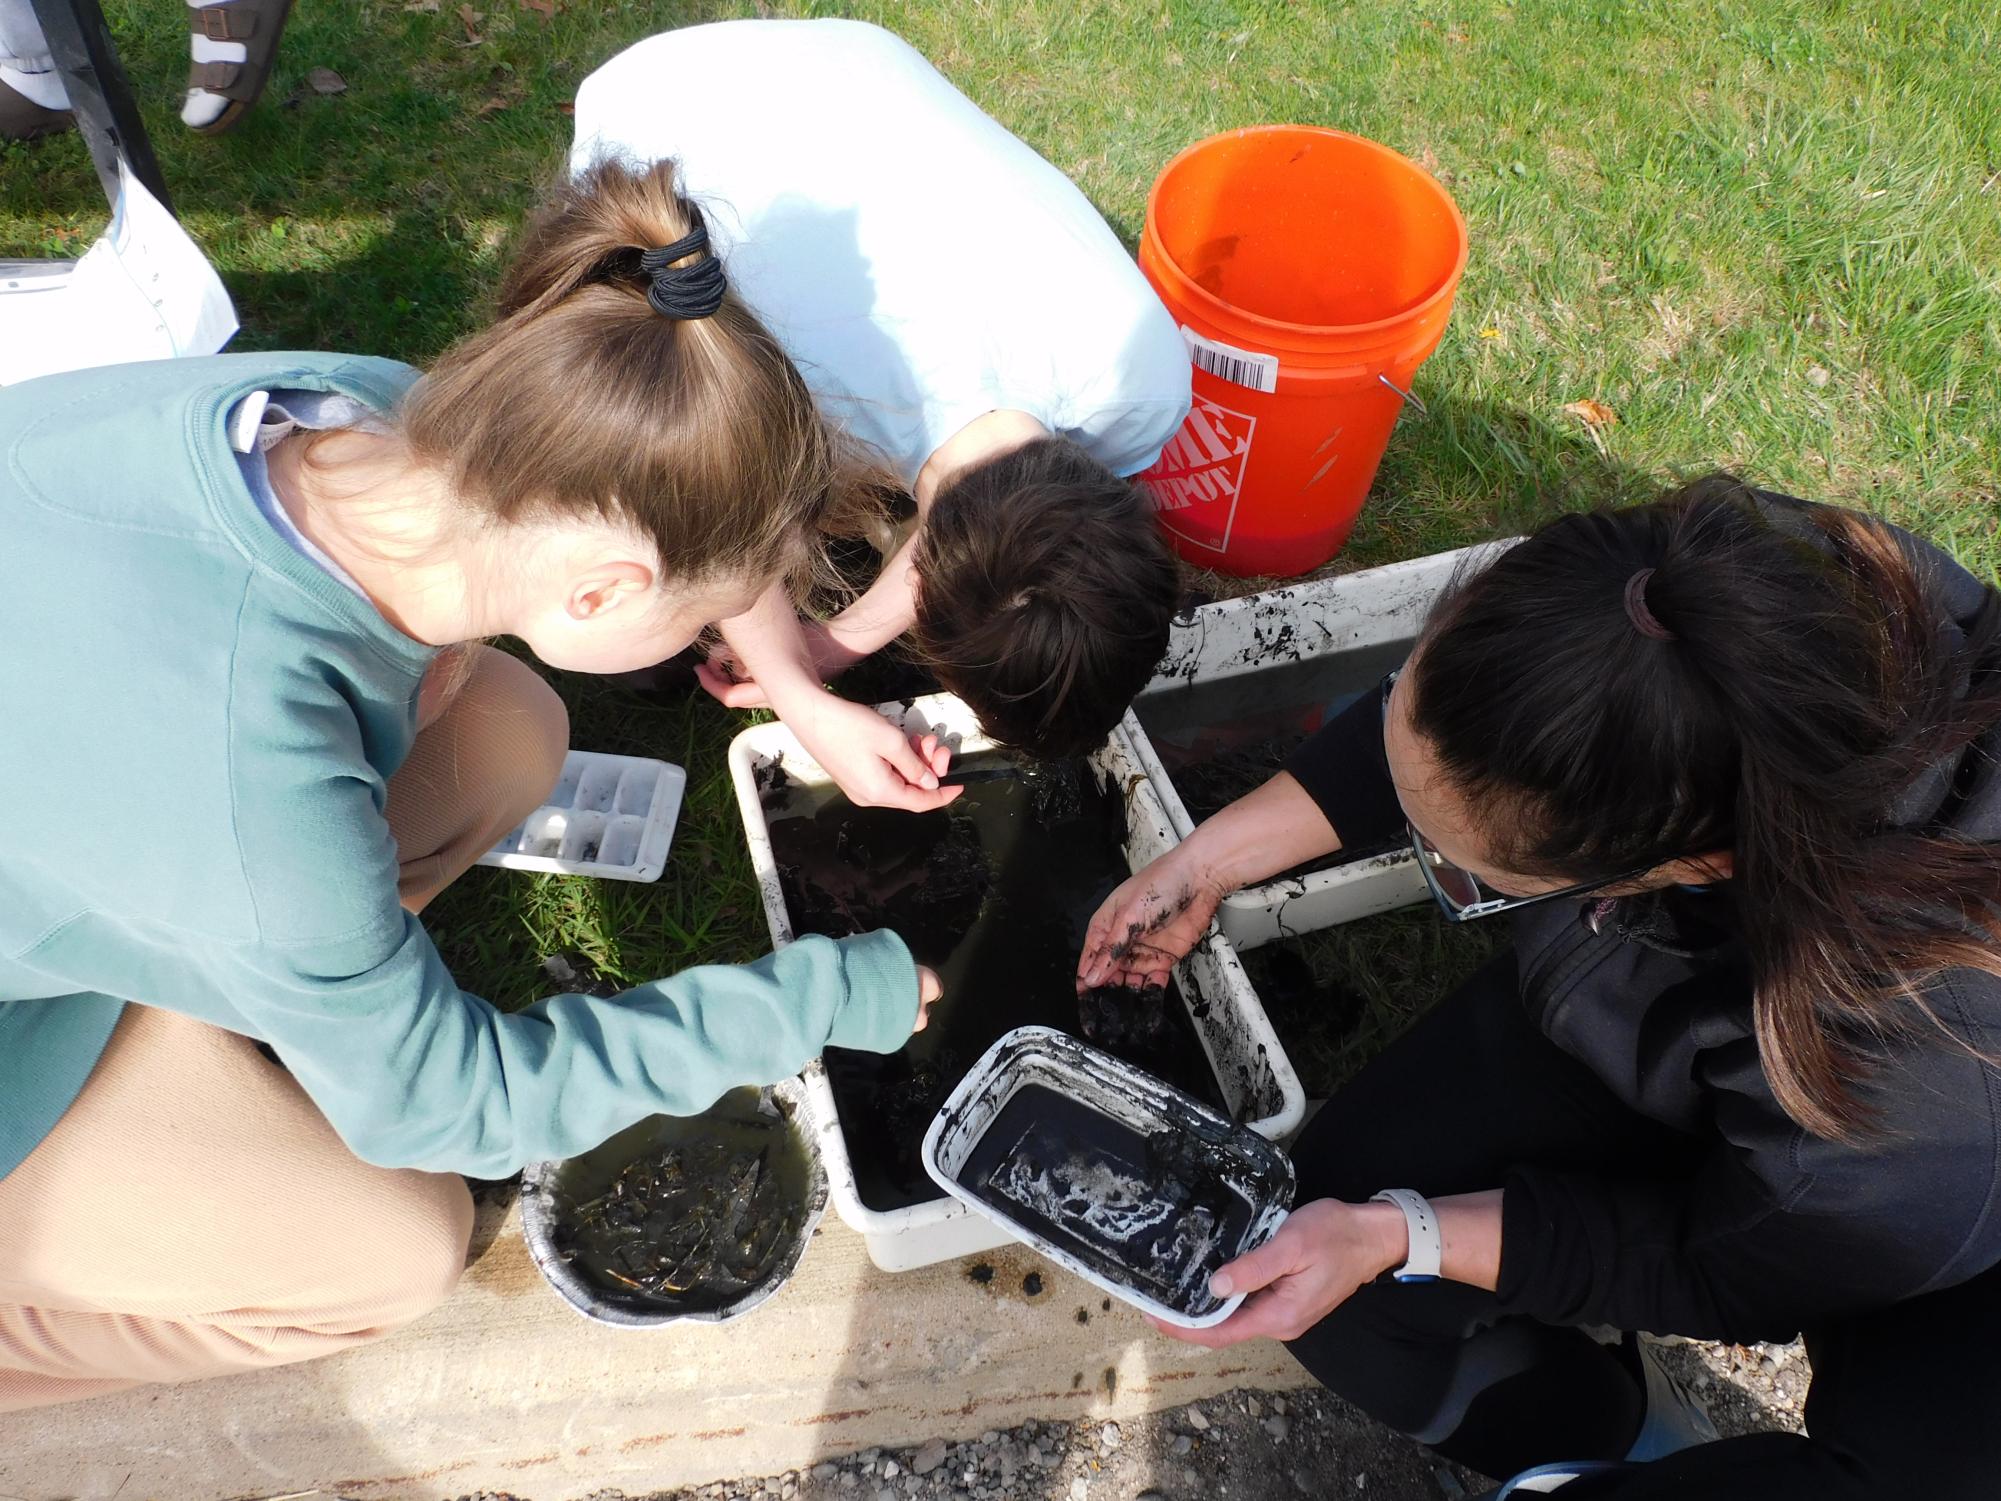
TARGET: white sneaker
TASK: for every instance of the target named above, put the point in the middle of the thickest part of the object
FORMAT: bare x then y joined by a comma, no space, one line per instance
1544,1479
1676,1419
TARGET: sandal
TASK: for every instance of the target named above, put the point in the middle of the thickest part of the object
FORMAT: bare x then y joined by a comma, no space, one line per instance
256,26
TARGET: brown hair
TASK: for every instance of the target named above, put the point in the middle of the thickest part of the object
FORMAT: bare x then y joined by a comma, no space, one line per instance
1044,595
581,399
1807,684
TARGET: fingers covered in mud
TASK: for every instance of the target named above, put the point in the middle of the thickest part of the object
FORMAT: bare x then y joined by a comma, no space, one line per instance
1138,936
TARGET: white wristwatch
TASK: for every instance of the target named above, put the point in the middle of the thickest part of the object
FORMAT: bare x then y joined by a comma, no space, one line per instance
1427,1246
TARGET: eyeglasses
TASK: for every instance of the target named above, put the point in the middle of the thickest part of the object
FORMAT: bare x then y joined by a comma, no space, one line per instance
1460,894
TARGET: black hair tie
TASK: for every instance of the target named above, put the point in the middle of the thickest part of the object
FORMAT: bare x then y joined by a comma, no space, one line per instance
691,291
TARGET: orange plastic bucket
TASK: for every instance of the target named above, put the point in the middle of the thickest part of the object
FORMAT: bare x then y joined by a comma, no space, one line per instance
1311,272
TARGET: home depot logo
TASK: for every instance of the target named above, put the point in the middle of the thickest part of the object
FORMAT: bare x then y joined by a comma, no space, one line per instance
1203,466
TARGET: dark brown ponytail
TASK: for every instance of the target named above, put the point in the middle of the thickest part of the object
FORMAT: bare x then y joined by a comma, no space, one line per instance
1806,705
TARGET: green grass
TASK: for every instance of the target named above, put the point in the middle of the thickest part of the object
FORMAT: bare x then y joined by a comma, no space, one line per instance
493,926
1765,232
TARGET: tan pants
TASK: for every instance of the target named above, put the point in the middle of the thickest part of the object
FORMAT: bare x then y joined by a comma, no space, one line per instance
193,1213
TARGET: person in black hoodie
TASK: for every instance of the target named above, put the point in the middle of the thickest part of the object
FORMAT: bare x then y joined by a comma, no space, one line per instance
1731,763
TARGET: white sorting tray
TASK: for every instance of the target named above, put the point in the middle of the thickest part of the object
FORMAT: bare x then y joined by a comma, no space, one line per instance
609,816
1256,1169
1252,1070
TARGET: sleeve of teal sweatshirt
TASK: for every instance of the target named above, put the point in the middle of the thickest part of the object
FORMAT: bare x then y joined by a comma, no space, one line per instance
414,1072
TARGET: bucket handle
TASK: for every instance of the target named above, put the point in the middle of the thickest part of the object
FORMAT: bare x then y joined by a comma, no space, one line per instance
1422,409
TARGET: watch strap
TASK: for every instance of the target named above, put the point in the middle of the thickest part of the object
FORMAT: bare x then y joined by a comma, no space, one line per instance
1427,1246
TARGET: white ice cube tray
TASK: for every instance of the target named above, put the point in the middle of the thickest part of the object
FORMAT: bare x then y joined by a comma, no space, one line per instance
609,816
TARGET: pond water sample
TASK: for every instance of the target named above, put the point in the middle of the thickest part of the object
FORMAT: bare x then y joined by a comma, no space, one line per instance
994,892
687,1214
1227,736
1153,1212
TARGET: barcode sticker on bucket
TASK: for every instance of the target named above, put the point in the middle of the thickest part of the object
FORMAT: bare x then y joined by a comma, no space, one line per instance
1241,367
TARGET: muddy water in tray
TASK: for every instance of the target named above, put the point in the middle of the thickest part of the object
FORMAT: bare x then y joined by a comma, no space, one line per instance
1228,736
1149,1211
686,1214
994,892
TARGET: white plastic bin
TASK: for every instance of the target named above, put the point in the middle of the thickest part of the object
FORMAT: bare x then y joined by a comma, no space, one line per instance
1255,1170
1371,616
1251,1068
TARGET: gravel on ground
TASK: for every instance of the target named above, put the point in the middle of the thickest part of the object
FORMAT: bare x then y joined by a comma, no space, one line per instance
1257,1446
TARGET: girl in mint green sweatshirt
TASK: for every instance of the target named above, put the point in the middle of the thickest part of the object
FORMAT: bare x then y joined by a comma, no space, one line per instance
246,740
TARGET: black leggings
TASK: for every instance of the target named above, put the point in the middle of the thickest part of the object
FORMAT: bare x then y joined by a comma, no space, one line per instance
1905,1402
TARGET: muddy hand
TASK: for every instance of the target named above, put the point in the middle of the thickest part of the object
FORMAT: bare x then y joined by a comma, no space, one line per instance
1147,926
929,989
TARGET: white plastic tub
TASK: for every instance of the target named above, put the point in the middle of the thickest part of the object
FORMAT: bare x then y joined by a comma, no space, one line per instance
1247,1165
1358,625
609,816
1251,1068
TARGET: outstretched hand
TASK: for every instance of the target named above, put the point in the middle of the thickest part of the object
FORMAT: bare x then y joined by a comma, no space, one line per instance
1148,925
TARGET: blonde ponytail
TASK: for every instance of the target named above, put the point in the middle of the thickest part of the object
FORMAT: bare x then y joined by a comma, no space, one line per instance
584,399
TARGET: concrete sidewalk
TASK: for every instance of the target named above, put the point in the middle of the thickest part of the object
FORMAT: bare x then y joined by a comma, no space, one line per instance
505,1389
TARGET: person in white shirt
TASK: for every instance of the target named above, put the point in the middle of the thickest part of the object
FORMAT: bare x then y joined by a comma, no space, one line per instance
954,302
